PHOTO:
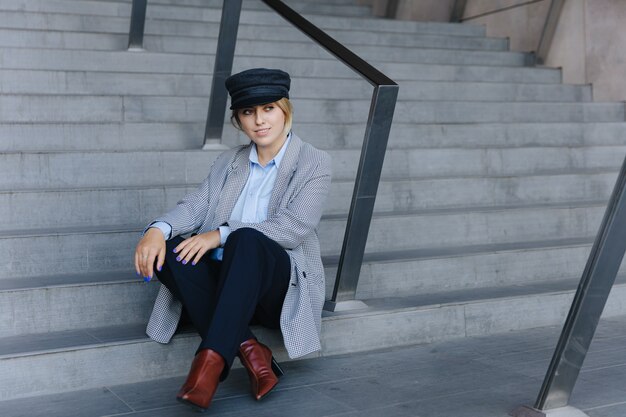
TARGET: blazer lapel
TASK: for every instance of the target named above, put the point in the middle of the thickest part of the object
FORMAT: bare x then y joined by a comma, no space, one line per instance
233,185
285,173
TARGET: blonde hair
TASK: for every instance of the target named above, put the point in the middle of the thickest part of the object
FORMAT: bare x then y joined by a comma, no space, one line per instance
284,104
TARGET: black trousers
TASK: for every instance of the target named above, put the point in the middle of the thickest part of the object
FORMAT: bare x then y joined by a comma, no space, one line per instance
223,298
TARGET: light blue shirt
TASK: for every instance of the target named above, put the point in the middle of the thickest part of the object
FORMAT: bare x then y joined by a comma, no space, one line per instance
253,202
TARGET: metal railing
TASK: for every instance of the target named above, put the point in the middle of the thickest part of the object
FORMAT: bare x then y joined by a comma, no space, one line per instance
137,23
384,97
458,10
549,28
591,296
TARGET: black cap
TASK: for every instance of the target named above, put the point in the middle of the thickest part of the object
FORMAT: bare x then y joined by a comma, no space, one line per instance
257,86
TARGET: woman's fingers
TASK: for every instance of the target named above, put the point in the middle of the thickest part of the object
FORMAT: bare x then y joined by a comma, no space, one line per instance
194,248
160,259
199,255
137,268
190,250
151,246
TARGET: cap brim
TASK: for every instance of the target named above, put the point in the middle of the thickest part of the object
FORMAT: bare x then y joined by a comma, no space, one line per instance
254,101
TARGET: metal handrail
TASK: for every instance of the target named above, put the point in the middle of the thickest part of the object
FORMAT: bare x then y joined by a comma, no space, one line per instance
382,107
458,10
549,28
137,23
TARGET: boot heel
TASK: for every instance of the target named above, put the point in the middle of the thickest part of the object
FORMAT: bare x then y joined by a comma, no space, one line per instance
276,368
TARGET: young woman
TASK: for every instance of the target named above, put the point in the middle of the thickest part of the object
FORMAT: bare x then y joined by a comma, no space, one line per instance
253,254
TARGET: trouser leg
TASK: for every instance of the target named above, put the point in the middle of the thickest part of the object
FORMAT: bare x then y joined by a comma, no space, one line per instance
254,277
193,286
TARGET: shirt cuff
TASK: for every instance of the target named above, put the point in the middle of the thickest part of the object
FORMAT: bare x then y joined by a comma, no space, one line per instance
165,228
224,232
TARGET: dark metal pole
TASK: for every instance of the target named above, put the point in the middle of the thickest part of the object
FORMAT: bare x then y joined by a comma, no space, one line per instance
224,56
589,301
458,10
391,11
372,157
364,195
137,23
549,28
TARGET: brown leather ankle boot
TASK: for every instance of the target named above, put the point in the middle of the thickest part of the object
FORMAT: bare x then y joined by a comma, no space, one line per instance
202,381
258,361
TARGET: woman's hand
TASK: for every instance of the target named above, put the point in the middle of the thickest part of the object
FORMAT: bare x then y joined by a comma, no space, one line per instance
196,246
150,247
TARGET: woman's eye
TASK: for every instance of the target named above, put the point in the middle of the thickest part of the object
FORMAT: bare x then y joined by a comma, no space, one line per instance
268,108
246,112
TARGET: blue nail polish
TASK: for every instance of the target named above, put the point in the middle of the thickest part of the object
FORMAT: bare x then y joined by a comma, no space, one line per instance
146,279
185,262
193,263
138,274
159,269
178,258
174,250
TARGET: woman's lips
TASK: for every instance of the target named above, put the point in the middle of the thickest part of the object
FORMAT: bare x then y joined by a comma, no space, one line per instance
262,132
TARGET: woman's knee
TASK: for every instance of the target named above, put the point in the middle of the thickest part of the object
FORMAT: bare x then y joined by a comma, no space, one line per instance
170,245
246,234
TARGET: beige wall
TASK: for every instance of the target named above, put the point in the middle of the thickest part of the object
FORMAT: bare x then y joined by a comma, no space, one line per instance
517,20
589,44
423,10
567,50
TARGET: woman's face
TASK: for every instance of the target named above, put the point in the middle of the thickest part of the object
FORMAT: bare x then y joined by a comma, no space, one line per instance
264,125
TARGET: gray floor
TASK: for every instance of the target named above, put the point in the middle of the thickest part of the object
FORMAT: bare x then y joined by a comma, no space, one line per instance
473,377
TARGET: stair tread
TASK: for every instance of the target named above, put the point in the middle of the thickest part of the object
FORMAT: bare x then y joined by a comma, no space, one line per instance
126,228
129,276
45,343
340,181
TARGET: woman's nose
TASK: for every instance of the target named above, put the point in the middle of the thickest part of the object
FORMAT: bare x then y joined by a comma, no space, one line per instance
259,118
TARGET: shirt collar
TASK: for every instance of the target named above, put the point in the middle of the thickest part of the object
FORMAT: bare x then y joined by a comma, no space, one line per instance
254,156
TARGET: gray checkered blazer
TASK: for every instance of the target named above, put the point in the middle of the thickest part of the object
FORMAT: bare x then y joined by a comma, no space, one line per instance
294,212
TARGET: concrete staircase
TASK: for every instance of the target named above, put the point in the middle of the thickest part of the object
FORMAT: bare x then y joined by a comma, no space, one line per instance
494,184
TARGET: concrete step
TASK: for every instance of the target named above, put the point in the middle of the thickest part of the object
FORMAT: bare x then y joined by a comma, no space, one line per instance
57,39
152,62
50,170
139,205
93,249
106,83
137,109
179,12
286,50
69,302
76,81
372,30
190,15
179,136
204,3
67,361
447,272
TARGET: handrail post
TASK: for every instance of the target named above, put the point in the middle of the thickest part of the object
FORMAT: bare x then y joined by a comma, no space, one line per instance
591,297
458,10
549,28
373,151
363,198
137,24
222,69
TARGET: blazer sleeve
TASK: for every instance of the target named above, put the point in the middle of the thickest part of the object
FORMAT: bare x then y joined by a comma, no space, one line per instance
293,222
191,211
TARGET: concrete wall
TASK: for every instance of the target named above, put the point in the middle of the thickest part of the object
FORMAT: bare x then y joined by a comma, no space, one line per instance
588,44
518,20
423,10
